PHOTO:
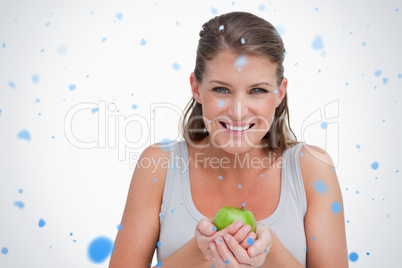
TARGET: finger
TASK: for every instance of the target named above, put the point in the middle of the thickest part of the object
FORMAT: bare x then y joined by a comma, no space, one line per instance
249,240
216,257
226,254
237,250
242,255
231,229
206,227
263,241
242,233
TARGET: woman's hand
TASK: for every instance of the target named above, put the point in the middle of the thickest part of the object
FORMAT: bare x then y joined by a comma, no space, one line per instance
227,252
205,234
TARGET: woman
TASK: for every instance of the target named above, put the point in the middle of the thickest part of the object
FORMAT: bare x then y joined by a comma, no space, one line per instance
238,150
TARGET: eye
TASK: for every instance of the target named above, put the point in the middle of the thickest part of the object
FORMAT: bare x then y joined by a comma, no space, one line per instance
258,90
220,90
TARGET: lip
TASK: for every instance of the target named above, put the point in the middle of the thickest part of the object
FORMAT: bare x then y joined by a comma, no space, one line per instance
236,125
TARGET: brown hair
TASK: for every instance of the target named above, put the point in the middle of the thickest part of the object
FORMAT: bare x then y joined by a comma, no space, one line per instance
241,33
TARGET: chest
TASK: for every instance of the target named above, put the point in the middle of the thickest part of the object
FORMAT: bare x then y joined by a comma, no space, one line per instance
258,189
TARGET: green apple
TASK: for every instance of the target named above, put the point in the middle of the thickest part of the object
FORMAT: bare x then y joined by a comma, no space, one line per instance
228,215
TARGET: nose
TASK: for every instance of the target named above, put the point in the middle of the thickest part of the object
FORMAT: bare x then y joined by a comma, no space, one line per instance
238,109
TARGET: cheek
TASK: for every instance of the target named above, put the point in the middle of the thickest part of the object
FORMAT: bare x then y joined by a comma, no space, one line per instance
211,106
264,107
265,111
209,110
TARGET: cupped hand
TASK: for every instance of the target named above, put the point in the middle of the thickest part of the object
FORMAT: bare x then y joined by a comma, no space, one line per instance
206,233
227,252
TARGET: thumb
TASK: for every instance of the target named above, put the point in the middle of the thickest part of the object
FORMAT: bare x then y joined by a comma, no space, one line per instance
206,227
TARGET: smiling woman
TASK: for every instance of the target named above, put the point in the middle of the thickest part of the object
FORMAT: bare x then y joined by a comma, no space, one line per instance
240,151
243,38
234,100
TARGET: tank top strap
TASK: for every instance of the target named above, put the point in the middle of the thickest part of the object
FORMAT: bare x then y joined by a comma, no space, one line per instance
294,176
176,170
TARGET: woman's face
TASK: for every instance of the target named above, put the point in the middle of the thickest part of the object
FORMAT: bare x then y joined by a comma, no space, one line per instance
239,95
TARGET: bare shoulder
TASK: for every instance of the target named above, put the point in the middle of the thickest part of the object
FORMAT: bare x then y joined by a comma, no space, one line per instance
156,150
154,153
151,167
317,170
314,155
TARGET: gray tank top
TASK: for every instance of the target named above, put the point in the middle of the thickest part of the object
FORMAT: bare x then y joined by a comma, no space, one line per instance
179,216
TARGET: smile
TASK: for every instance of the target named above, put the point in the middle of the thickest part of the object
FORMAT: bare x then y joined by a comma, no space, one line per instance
236,128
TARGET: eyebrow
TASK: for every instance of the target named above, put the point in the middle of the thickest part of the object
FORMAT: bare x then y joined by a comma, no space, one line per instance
226,84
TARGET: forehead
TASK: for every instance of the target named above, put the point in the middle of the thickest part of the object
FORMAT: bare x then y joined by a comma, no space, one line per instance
232,66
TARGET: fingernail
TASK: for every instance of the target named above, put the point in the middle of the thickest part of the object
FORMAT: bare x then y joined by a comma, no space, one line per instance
252,252
212,247
239,225
227,238
213,259
218,240
213,229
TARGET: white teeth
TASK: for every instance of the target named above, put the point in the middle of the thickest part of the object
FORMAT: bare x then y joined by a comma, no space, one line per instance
234,128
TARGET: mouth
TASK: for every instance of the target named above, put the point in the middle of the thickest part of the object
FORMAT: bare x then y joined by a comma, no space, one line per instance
236,128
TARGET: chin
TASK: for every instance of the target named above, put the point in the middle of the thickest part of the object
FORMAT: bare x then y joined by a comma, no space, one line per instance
236,150
236,146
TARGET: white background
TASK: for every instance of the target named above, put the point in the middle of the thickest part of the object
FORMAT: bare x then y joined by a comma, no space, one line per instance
83,191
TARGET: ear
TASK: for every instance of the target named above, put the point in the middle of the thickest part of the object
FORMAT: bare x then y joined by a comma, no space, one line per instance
281,91
194,88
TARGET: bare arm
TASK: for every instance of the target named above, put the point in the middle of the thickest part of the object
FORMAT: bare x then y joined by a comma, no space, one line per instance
324,221
136,242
